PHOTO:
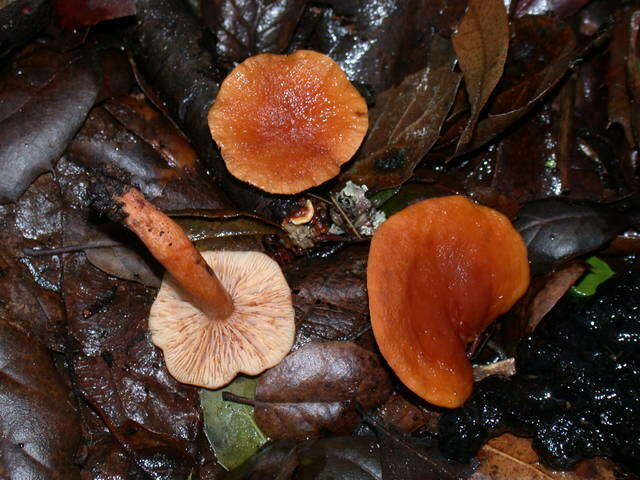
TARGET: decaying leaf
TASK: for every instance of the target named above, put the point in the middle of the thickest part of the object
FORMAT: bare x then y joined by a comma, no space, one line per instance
410,458
276,461
557,230
44,100
40,430
230,426
20,20
329,297
72,14
353,458
508,457
315,389
245,28
406,121
481,42
558,8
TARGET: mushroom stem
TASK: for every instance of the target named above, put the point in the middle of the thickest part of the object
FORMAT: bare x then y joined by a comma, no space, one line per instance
168,243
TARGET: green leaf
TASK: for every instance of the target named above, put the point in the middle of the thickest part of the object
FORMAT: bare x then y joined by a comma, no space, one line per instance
230,426
599,272
382,196
209,224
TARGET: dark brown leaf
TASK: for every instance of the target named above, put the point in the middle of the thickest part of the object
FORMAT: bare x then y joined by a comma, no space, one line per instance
508,457
481,42
315,389
406,122
510,105
276,461
619,103
115,367
20,20
364,37
45,98
40,430
409,458
245,28
329,296
353,458
557,8
540,54
557,230
71,14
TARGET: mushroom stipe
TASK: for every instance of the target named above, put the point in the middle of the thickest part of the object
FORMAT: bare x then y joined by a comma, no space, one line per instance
218,313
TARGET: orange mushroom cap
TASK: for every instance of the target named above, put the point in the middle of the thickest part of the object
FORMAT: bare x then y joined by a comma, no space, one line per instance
440,272
285,123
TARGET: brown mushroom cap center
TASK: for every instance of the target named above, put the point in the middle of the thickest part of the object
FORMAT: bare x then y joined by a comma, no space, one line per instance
287,122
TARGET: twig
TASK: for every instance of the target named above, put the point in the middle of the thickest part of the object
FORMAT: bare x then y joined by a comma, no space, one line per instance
346,218
506,368
232,397
41,252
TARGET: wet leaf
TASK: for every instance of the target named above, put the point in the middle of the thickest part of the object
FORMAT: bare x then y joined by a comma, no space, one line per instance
208,224
406,122
363,37
20,20
248,27
329,296
508,457
481,42
30,286
412,459
230,427
71,14
138,116
557,230
40,429
44,100
276,461
618,101
557,8
315,389
115,367
353,458
540,53
543,294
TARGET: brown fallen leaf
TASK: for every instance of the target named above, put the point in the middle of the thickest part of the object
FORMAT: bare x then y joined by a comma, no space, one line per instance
316,389
481,44
508,457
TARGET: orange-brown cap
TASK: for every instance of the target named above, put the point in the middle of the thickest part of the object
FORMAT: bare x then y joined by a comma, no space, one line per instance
210,352
439,272
286,123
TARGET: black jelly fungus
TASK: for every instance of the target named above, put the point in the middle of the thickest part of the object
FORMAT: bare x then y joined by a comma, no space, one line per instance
577,387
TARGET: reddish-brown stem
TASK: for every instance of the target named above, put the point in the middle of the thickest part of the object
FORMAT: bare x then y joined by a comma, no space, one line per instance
168,243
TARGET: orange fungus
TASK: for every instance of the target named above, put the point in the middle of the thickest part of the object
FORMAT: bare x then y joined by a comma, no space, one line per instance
286,123
440,272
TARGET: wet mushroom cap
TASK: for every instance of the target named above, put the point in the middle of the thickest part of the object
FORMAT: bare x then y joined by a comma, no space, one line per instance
209,352
439,272
286,123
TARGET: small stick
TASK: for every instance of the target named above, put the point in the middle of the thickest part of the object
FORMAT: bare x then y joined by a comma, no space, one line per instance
41,252
232,397
344,215
506,368
168,243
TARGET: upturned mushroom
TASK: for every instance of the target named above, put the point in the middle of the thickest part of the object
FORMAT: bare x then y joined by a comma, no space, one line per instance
439,272
216,314
286,123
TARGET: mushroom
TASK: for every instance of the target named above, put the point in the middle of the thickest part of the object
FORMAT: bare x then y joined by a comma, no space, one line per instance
286,123
439,272
211,326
